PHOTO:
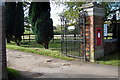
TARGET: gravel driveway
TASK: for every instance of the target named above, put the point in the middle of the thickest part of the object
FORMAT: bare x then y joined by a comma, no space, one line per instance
39,66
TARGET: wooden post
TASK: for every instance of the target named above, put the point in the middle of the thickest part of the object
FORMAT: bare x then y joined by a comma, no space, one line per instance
29,37
53,38
3,62
23,37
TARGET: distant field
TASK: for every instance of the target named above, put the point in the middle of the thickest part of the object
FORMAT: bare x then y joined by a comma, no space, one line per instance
27,37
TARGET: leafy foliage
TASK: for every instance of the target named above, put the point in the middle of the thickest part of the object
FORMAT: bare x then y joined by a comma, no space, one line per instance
72,11
42,25
110,8
19,23
9,19
14,21
26,6
73,8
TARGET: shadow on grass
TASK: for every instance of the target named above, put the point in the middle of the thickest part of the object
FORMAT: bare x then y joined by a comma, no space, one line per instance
112,58
13,74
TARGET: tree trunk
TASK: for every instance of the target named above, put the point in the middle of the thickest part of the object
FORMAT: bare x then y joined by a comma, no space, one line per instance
18,39
118,34
18,44
8,41
114,22
8,38
114,30
45,44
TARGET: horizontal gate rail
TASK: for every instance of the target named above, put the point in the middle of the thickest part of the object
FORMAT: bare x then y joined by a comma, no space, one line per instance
74,40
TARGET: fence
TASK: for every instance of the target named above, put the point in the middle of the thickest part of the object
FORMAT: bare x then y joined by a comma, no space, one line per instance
109,36
28,37
31,37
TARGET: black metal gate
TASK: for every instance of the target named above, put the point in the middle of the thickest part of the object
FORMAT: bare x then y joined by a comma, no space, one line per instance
73,37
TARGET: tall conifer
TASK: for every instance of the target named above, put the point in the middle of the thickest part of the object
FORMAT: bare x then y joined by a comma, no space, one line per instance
42,25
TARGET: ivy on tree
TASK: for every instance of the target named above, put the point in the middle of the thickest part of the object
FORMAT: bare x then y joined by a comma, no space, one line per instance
42,25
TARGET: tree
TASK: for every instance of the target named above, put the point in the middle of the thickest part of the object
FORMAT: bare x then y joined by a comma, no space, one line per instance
14,21
110,14
9,19
111,9
18,23
26,6
118,34
73,8
71,12
42,25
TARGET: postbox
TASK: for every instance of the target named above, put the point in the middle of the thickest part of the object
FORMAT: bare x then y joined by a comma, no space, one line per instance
99,36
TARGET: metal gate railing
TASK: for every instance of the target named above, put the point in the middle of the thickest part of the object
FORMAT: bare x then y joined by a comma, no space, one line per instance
73,37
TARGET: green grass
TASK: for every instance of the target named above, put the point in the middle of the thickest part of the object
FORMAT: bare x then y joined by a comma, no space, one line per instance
12,74
33,47
55,51
110,59
28,32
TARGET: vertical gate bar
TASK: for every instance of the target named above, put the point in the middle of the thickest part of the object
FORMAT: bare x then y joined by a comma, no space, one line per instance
65,35
62,34
79,34
29,37
61,37
23,37
84,34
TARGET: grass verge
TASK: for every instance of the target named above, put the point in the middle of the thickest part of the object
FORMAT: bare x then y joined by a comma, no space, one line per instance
13,74
33,47
54,51
110,59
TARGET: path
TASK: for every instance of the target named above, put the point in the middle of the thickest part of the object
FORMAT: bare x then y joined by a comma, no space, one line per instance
38,66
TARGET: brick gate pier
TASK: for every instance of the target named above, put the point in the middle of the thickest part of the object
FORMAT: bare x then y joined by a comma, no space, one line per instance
94,30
